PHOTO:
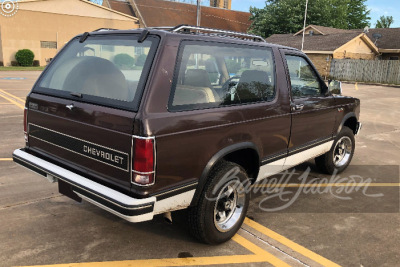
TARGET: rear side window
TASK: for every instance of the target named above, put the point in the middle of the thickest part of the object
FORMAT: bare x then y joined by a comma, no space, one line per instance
106,69
210,75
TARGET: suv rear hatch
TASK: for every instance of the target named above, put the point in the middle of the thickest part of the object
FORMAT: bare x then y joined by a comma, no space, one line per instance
81,111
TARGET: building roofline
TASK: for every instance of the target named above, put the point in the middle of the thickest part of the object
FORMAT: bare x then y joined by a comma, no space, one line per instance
205,6
369,42
385,50
138,11
309,26
109,9
317,52
87,2
366,39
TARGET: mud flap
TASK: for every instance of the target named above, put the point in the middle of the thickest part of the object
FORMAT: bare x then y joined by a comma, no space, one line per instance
66,189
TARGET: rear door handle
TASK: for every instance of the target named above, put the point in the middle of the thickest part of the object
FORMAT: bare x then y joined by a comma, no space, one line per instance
297,107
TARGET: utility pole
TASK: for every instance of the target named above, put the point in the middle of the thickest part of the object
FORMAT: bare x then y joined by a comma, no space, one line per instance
199,12
304,27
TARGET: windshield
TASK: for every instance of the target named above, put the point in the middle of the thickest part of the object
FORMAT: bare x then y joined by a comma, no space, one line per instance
108,69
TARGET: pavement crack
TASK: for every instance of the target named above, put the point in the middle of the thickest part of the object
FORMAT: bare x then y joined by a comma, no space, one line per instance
276,248
28,202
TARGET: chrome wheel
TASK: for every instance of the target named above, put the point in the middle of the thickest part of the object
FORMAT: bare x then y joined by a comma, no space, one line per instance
229,205
342,151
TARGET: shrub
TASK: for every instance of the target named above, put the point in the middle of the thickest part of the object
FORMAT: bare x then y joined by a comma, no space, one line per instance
1,64
25,57
124,61
36,63
14,64
140,60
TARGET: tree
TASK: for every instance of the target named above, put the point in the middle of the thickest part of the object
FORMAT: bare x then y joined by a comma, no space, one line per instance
287,16
357,14
124,61
384,22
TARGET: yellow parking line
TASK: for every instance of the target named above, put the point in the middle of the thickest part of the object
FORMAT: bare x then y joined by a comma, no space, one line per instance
290,244
6,159
328,185
167,262
268,257
259,256
13,96
12,100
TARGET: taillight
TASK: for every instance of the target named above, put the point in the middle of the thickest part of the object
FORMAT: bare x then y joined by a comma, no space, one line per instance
143,167
26,124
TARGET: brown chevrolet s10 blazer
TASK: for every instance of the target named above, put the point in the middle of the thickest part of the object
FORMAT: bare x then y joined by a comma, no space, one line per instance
148,121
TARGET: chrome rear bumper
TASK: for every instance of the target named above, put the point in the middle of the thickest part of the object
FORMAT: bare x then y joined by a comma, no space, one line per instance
124,206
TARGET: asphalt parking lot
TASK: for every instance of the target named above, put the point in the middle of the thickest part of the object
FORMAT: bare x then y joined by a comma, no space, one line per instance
292,221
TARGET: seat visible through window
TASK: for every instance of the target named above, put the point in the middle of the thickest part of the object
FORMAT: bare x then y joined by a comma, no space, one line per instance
196,89
198,78
253,86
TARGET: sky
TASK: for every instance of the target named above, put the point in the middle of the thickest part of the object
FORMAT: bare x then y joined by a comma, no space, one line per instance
378,8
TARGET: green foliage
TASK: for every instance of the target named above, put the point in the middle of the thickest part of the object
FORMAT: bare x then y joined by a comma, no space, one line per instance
233,66
287,16
384,22
124,61
140,60
357,14
25,57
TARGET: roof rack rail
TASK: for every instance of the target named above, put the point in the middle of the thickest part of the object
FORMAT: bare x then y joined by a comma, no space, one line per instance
168,28
188,28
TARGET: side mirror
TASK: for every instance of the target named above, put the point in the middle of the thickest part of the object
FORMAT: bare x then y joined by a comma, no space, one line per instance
335,87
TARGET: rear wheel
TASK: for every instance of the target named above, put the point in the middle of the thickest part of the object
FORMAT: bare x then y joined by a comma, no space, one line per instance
340,155
222,206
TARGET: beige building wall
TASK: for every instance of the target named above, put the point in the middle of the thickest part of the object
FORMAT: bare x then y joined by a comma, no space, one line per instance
1,49
320,63
355,49
54,21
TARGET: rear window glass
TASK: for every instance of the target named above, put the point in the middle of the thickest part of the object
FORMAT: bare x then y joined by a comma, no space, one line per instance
212,75
108,69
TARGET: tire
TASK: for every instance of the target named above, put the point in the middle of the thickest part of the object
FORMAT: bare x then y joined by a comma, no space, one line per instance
222,206
339,157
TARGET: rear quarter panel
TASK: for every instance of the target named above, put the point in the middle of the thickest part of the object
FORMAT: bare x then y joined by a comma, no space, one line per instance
187,140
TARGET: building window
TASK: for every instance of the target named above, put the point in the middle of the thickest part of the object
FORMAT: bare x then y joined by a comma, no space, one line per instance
108,48
139,50
48,44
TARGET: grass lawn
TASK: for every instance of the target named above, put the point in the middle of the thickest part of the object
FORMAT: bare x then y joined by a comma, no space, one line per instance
21,68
